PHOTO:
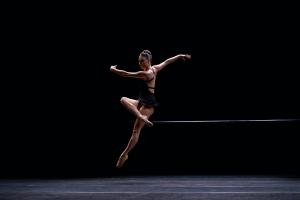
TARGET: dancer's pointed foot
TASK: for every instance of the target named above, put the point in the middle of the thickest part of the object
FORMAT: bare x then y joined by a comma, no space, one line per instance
147,122
122,160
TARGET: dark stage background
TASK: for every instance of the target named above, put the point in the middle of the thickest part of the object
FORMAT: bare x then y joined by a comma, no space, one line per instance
64,117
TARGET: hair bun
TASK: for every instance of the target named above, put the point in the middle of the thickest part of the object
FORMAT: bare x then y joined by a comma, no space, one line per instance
147,52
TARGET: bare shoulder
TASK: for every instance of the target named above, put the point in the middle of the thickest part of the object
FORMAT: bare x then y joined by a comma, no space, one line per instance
154,68
145,75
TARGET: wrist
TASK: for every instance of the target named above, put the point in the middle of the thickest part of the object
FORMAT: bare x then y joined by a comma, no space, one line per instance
182,56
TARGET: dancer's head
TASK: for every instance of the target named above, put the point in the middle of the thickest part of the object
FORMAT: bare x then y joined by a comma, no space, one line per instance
145,59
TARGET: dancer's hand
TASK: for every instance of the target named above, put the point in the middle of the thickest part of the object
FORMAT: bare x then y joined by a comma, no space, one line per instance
113,68
118,71
186,57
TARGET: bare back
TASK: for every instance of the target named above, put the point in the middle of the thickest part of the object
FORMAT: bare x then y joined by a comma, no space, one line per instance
151,82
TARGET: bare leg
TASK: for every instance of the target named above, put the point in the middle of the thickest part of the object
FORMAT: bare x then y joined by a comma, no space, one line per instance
138,125
131,105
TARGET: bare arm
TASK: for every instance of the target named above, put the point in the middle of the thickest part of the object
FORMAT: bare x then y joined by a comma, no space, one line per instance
171,60
140,74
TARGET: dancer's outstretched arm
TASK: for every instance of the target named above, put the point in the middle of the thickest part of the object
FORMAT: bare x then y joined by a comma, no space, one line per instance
171,60
139,74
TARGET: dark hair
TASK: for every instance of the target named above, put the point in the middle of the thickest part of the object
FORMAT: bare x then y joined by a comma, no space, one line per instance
147,54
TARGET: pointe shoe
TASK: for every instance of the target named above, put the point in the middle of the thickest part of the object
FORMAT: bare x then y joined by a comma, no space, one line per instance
121,161
147,122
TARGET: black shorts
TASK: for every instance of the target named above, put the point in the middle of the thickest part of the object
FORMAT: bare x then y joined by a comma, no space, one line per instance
148,100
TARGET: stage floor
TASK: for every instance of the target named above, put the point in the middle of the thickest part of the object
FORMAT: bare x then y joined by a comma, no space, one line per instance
154,187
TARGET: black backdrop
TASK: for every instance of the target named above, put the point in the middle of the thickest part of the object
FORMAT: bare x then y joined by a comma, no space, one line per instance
64,117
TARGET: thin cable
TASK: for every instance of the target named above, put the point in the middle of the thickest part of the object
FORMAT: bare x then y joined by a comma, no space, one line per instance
230,121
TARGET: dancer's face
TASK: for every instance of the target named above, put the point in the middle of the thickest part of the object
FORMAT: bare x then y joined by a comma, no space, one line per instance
144,62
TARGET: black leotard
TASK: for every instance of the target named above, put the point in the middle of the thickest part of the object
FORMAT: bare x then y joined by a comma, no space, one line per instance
146,97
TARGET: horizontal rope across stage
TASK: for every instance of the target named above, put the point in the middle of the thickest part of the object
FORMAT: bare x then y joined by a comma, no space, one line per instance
228,121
